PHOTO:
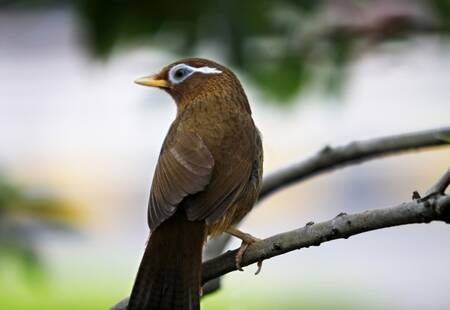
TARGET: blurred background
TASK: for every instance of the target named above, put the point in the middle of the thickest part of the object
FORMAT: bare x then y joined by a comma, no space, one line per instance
79,142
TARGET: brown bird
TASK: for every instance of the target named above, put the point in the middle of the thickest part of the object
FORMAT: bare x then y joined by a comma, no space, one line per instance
207,178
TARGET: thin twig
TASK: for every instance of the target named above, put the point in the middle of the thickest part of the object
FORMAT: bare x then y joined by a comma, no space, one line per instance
440,186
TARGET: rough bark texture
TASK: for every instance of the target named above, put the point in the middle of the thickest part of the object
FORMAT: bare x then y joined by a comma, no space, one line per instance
434,208
355,152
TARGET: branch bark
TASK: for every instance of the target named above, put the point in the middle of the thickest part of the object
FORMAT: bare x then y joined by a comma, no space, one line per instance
333,158
352,153
434,206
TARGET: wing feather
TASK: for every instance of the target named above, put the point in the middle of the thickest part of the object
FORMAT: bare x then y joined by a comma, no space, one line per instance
197,172
184,168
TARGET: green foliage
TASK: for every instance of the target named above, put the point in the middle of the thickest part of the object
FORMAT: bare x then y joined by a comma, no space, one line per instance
442,9
273,42
279,44
24,216
238,27
104,290
56,294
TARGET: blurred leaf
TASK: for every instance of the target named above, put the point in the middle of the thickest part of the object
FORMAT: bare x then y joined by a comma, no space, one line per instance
442,9
24,258
280,80
299,27
24,217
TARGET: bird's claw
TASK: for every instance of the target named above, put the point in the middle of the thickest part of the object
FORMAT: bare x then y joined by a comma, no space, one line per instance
259,264
244,245
239,254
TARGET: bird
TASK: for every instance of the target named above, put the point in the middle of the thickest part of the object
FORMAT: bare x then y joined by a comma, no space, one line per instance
207,178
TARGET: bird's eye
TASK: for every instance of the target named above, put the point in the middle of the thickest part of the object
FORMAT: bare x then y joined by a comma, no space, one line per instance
180,73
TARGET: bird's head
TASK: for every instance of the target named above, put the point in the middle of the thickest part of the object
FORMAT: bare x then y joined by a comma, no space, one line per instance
196,79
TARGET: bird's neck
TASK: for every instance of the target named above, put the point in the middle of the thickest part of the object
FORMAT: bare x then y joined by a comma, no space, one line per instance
220,100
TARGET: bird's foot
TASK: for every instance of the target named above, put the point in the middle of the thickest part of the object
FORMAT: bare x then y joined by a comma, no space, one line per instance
247,240
238,258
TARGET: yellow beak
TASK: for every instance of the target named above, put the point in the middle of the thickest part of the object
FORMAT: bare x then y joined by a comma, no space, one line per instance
151,81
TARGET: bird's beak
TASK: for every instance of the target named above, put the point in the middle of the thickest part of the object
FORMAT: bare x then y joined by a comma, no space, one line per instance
152,81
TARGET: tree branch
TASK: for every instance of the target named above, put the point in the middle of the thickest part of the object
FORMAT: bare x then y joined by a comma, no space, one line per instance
352,153
440,186
329,159
434,206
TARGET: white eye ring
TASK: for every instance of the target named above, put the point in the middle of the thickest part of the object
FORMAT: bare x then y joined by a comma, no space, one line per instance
180,72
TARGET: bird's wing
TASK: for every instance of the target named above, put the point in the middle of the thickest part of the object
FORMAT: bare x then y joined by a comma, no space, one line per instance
224,188
234,156
184,168
201,173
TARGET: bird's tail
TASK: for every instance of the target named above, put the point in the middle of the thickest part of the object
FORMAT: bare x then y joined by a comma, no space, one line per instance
169,276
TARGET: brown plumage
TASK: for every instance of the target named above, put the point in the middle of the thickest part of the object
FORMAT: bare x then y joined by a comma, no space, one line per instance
207,178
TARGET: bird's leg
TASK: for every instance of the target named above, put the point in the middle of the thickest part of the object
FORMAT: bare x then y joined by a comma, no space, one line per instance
247,240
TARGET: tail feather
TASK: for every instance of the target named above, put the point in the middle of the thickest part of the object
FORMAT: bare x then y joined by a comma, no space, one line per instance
170,272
